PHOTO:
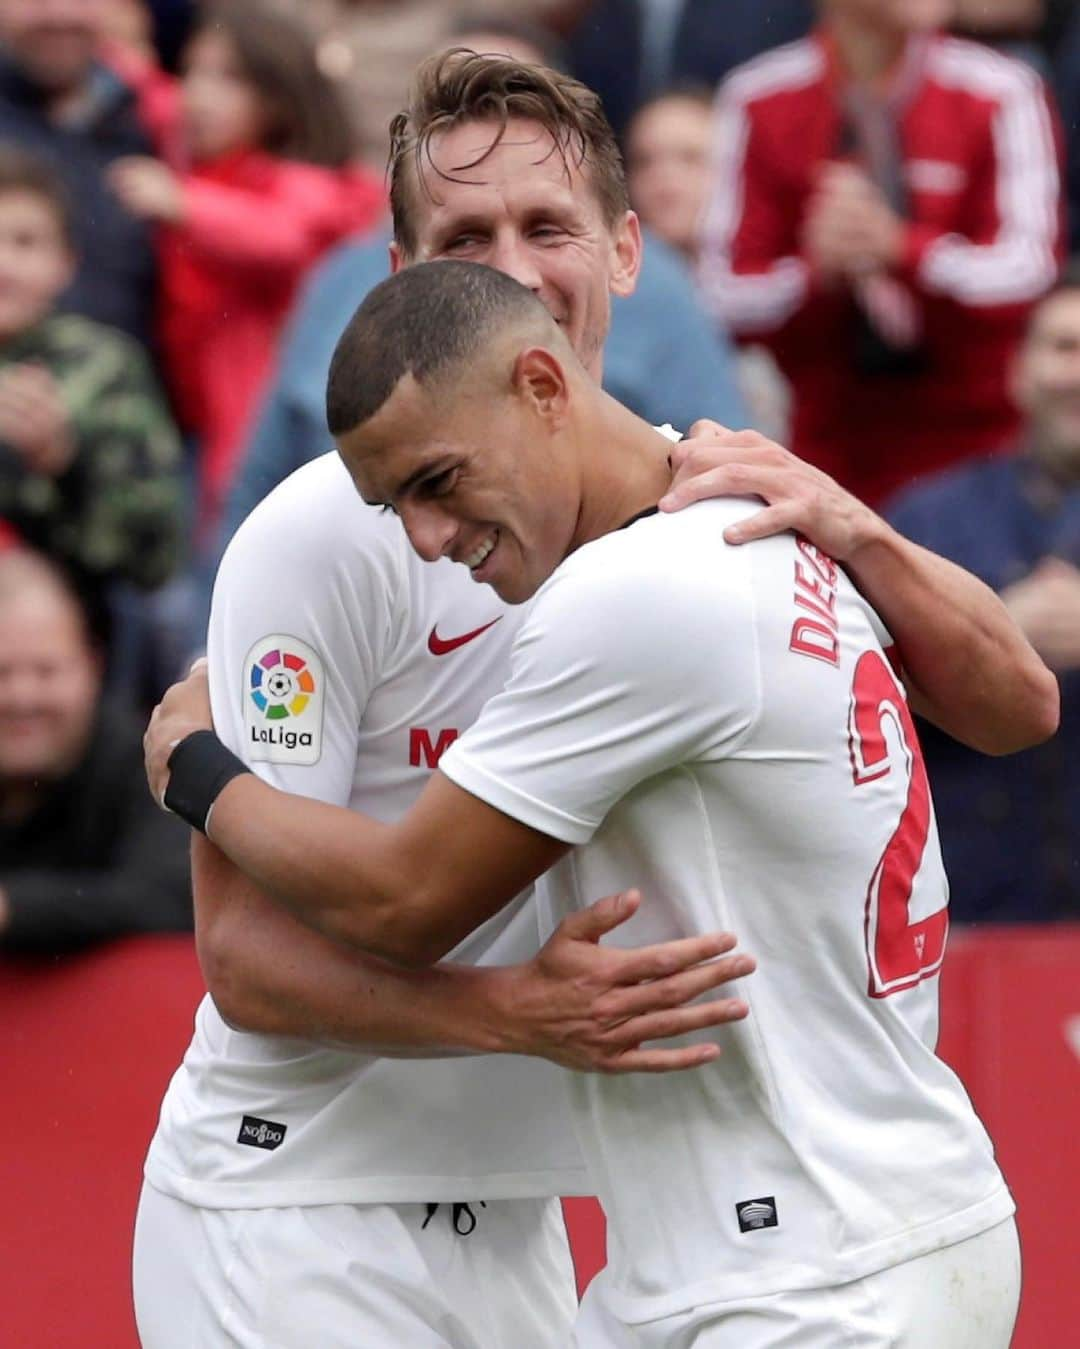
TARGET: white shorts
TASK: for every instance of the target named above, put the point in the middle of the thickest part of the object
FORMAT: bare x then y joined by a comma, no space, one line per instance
353,1276
963,1297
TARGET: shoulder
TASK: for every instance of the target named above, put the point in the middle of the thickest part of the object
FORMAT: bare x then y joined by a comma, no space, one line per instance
938,511
648,582
974,68
74,340
663,271
958,487
790,68
339,282
316,532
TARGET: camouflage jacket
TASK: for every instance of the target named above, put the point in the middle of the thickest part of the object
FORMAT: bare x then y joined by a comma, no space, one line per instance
120,509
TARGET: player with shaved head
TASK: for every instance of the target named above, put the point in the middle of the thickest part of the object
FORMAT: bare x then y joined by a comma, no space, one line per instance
343,668
721,724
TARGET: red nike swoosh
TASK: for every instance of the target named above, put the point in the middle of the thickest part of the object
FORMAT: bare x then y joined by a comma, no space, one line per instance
440,646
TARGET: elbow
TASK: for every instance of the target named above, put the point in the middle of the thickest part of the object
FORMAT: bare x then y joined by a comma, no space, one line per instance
1047,717
1038,717
1033,717
239,1004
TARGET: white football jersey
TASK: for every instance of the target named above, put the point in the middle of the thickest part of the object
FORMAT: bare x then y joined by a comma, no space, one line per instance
721,728
341,667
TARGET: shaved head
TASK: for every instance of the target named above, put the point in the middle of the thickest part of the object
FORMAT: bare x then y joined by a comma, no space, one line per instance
436,322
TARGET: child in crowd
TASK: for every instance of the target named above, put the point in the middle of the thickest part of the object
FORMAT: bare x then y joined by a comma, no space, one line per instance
89,458
668,158
258,184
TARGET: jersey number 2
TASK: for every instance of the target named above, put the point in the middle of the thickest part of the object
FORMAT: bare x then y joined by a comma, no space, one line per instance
900,952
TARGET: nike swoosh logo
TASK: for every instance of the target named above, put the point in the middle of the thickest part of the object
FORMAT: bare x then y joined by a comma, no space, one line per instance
441,646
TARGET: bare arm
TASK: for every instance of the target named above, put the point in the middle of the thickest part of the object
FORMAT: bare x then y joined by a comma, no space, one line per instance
579,1004
407,891
576,1003
968,667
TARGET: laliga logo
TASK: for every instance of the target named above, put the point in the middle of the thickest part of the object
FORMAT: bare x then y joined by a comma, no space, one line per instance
281,686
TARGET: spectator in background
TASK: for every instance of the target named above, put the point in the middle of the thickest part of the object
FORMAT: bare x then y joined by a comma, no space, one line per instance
268,189
884,212
631,50
371,47
89,459
662,357
1014,26
84,852
668,154
1010,827
520,39
59,101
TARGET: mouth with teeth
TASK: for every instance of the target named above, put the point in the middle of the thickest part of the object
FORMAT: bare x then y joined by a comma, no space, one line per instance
478,557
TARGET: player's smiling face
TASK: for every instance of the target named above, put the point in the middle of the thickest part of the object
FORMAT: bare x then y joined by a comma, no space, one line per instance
522,211
484,481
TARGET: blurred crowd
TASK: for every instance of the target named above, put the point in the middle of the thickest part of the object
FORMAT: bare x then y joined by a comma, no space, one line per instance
858,217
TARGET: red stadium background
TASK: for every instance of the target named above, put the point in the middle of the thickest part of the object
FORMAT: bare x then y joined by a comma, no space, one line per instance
89,1043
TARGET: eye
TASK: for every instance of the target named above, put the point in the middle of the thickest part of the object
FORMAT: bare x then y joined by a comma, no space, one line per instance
439,484
460,241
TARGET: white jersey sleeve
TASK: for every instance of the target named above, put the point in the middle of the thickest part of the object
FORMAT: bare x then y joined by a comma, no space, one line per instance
301,628
600,697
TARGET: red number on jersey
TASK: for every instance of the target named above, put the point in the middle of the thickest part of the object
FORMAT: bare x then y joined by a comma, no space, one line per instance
900,952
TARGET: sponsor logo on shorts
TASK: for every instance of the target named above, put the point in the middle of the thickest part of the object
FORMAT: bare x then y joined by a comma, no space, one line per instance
283,701
754,1214
261,1133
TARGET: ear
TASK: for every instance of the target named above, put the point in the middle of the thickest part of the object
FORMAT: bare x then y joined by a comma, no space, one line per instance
627,247
539,377
397,258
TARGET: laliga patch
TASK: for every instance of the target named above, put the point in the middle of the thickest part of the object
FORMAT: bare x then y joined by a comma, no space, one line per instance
283,694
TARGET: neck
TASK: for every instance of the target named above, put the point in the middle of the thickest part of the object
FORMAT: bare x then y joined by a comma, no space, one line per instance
868,51
625,470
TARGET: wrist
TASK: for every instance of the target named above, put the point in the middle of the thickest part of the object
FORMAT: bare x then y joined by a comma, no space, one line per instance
477,1007
869,537
200,767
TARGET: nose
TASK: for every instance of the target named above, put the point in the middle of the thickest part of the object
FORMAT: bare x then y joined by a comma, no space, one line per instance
510,255
430,528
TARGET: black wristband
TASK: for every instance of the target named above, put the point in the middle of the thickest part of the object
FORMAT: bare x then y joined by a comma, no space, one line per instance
199,767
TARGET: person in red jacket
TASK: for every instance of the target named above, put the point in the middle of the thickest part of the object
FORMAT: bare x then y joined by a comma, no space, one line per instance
885,211
259,183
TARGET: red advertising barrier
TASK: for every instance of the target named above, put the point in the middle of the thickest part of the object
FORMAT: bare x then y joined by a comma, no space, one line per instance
87,1045
1011,1029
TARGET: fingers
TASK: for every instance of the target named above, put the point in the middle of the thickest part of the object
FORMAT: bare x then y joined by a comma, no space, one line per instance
602,917
619,1004
660,1060
705,426
678,1021
665,958
736,479
772,520
155,761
